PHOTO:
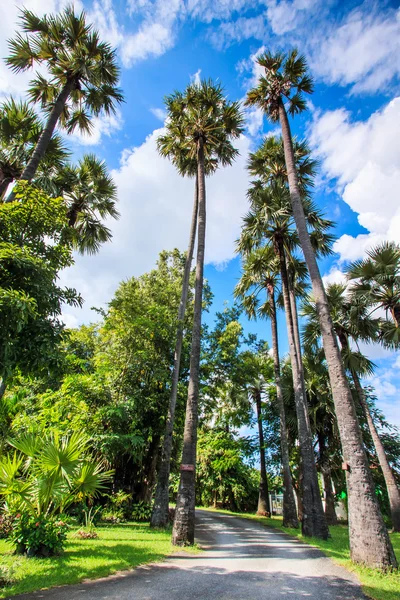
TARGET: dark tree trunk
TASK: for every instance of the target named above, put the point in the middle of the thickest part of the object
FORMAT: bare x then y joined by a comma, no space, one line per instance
3,387
183,528
263,507
289,504
313,523
390,481
160,516
330,512
369,538
45,137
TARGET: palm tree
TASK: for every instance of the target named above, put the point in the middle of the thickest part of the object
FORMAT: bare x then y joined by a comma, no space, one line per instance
271,220
207,123
20,129
353,323
83,74
285,80
91,195
260,273
379,284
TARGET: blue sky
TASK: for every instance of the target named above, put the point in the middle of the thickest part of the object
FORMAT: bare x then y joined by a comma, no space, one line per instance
353,49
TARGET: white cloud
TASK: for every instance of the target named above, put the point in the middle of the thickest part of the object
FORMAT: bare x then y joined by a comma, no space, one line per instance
104,125
159,113
196,77
364,159
155,205
364,50
335,275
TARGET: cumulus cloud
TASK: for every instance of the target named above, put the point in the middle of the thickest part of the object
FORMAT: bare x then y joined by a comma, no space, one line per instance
155,205
363,157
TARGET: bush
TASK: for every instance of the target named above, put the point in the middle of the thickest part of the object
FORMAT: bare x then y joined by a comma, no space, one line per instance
6,576
38,536
87,535
141,512
6,525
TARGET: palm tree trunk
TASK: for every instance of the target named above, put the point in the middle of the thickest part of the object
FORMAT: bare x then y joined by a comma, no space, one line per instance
391,484
183,528
263,507
289,504
159,517
330,512
369,539
3,387
314,522
45,136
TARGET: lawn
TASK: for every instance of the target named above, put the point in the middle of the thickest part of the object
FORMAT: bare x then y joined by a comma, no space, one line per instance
118,547
377,585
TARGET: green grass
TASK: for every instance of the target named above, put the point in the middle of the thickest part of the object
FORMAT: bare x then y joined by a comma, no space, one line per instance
375,584
118,547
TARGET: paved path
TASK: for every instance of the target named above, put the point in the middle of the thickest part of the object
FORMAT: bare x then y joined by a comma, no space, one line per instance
242,560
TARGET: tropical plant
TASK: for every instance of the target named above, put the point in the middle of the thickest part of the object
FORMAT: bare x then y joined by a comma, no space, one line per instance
352,323
207,123
38,535
270,223
285,80
260,274
20,129
82,74
378,284
90,195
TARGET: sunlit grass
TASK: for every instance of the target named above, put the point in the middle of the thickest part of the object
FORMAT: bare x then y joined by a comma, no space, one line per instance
118,547
377,585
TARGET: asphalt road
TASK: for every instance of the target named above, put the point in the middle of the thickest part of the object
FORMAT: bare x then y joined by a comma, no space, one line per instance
241,560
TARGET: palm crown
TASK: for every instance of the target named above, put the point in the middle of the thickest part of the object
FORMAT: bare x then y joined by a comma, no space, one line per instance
201,113
285,79
73,54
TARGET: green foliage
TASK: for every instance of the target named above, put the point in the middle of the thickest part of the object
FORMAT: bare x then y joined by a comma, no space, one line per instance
32,253
47,474
141,512
222,475
38,536
6,524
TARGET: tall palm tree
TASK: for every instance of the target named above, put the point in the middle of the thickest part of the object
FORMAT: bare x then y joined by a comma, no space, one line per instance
207,123
378,284
82,73
20,129
260,274
353,323
270,221
279,92
91,196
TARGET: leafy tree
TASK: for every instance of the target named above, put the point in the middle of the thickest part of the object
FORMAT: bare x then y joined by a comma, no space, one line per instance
20,129
32,254
208,123
82,74
285,80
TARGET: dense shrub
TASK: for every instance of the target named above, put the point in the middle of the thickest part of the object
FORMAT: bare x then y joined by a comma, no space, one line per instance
6,523
38,536
141,512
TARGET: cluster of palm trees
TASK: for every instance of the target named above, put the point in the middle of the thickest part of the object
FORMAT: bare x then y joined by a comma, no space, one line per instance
283,220
80,83
283,223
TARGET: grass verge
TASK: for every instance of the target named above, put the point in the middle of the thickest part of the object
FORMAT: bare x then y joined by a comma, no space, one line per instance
118,547
375,584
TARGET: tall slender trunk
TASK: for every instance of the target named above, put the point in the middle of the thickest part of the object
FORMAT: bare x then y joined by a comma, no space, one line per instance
330,511
390,481
159,517
45,136
3,387
369,538
314,522
289,504
264,507
183,528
